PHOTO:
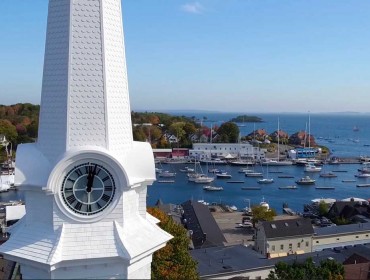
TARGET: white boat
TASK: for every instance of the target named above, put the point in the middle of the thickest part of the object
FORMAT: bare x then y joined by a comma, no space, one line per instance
215,161
204,180
328,175
306,181
223,175
187,169
245,170
254,174
241,162
272,162
198,172
264,203
167,174
203,202
363,175
234,208
6,182
309,167
213,188
265,181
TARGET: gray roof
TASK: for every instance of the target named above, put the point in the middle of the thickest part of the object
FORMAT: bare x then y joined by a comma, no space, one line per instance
286,228
172,210
342,229
205,230
228,261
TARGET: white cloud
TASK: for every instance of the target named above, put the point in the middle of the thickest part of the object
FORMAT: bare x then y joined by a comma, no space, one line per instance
193,8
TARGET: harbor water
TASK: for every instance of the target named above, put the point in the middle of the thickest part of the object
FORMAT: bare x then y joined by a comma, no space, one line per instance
233,194
334,131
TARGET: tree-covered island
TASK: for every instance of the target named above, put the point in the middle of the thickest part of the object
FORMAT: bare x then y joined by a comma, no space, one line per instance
246,118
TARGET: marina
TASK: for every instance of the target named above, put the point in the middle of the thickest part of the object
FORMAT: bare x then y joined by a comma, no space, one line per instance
282,190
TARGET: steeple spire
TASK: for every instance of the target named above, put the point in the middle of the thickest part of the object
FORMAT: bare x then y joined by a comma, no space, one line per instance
85,99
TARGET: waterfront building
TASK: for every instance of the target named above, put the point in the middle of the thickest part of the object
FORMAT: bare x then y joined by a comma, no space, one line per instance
284,237
85,180
223,150
340,236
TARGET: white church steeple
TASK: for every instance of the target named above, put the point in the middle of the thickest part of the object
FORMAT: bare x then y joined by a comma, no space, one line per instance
85,180
85,98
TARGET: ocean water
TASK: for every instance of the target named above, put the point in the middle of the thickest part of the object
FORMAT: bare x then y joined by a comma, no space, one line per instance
334,131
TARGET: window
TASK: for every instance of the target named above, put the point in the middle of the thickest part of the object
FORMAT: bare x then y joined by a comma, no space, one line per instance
273,248
337,238
299,245
367,235
307,243
282,247
356,236
317,242
290,246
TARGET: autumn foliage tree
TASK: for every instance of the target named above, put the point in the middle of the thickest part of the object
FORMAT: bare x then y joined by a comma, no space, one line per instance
173,261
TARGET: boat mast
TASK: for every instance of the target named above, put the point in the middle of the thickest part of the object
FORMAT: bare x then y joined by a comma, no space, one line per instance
309,130
278,140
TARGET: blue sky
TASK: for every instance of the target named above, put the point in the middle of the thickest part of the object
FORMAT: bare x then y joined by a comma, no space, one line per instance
223,55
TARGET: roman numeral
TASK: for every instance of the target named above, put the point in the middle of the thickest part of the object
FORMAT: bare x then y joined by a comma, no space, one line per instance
108,188
68,189
105,197
71,180
78,206
88,208
71,199
105,179
78,172
98,205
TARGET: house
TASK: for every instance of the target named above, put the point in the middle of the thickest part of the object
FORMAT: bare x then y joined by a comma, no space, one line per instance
199,221
171,138
349,209
284,237
357,267
3,141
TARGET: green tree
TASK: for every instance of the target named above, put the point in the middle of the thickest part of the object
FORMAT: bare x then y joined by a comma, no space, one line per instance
261,213
177,129
9,130
323,208
228,133
173,261
328,269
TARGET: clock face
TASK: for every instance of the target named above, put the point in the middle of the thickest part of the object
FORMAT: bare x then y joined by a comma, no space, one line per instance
88,189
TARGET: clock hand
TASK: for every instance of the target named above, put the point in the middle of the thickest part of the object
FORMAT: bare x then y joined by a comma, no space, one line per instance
90,179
